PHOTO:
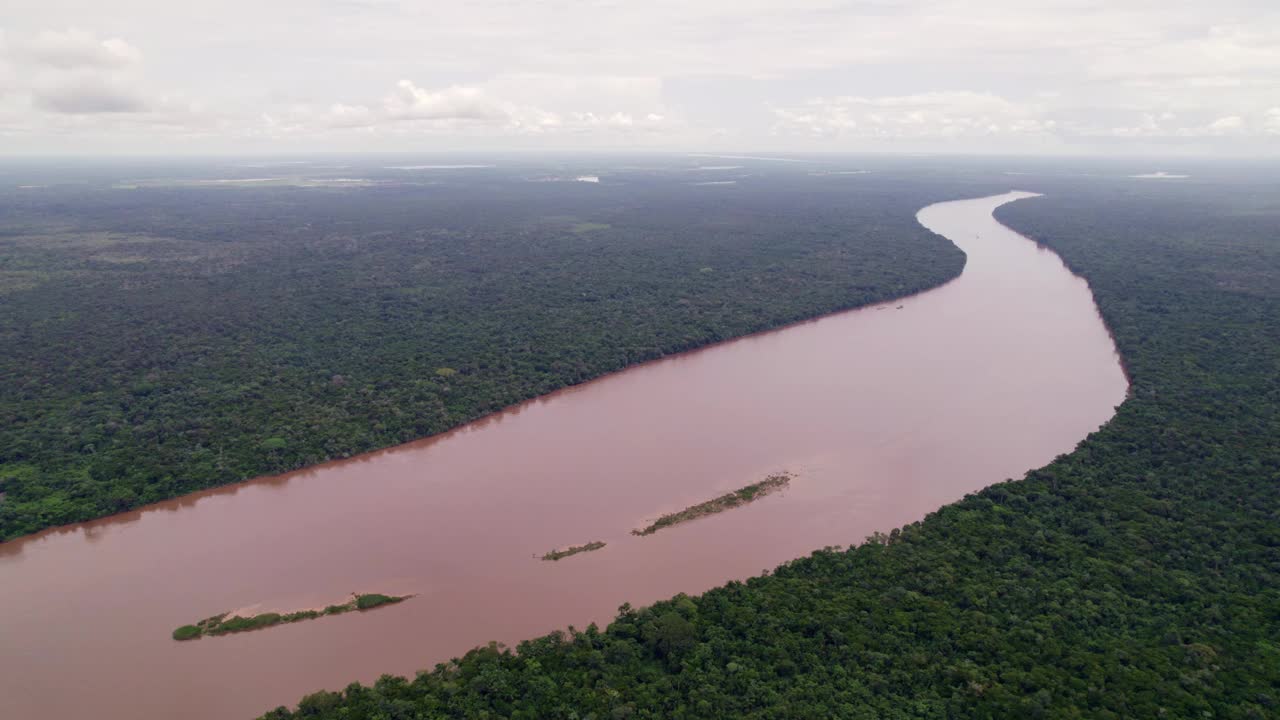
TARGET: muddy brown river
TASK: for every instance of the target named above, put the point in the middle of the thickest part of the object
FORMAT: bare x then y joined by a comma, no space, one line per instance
883,414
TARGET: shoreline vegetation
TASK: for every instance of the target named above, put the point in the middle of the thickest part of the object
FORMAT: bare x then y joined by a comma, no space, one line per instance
728,501
120,420
574,550
222,625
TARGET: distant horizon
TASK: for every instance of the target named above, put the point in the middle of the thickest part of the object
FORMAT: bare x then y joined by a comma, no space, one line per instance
758,155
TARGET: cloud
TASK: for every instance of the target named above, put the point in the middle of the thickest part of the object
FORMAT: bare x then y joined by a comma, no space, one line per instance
521,105
1225,125
452,103
77,49
973,117
711,74
526,103
583,90
348,116
87,96
1169,126
944,115
1271,123
72,72
1222,51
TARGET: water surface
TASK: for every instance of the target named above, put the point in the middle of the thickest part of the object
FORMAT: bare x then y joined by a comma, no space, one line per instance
882,414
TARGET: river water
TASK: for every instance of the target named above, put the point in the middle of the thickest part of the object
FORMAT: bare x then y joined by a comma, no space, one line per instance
882,415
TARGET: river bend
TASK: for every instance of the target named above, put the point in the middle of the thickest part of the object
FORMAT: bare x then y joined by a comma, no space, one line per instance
883,414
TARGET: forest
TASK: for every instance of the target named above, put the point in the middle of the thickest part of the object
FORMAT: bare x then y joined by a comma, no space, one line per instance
161,339
1138,576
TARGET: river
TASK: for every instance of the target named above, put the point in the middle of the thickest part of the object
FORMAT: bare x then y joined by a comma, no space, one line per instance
882,414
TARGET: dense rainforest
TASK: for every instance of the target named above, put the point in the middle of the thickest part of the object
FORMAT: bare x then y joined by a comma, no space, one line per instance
164,336
1138,576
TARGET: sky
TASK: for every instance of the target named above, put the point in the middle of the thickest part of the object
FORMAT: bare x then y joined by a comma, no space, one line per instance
1058,77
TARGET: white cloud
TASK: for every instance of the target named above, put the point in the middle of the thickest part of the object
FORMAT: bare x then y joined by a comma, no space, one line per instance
944,115
410,102
683,74
1272,121
1224,52
72,72
583,90
77,49
349,116
1171,126
510,106
1224,125
87,95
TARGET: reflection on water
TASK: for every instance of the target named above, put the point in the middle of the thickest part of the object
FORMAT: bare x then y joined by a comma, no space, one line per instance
882,414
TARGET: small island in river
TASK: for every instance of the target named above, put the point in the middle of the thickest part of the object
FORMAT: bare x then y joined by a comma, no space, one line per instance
221,624
742,496
574,550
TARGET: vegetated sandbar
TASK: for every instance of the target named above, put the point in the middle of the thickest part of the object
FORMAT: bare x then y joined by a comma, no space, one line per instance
574,550
742,496
221,624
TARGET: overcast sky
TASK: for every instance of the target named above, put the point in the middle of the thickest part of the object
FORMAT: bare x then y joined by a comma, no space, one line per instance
1018,76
